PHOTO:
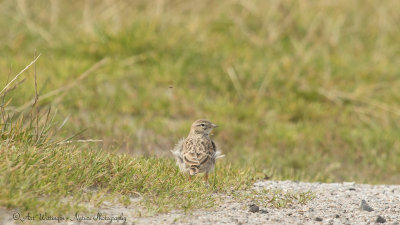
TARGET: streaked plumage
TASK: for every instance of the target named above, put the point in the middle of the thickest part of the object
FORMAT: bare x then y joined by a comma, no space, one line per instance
197,153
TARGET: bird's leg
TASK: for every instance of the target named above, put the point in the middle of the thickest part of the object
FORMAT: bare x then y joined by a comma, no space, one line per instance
190,177
206,178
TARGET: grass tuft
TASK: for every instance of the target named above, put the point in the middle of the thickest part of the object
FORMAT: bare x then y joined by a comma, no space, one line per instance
275,198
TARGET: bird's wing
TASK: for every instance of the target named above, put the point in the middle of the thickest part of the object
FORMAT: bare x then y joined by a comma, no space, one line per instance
196,153
189,152
177,151
217,153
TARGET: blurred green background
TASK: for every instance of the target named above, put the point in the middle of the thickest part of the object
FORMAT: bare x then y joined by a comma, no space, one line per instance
304,90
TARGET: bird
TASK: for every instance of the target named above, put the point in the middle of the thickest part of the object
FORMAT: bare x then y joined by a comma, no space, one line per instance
197,153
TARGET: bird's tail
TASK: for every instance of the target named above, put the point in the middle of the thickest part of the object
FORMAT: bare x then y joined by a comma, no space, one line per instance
193,170
218,154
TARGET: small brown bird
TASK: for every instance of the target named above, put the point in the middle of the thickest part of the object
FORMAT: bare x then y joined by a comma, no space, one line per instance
197,153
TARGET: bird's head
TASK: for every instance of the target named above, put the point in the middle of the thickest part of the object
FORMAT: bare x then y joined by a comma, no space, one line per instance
202,126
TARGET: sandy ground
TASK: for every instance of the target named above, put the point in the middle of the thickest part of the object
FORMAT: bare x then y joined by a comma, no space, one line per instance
335,203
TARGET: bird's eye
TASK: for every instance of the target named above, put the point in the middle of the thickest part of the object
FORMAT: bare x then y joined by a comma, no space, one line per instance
202,125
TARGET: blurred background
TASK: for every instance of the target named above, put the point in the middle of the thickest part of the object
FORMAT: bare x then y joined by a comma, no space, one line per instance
303,89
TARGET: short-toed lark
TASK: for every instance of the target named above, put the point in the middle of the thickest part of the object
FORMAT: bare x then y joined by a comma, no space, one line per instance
197,153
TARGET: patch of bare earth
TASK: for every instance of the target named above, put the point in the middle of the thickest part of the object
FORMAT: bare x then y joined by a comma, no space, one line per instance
333,203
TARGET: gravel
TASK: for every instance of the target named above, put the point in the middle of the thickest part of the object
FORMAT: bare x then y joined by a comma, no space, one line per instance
380,219
318,219
254,208
364,206
335,203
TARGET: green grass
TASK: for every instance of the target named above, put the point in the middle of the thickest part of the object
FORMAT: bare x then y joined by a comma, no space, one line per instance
305,89
37,180
38,173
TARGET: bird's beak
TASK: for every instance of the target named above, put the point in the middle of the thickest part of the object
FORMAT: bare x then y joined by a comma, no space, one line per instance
214,125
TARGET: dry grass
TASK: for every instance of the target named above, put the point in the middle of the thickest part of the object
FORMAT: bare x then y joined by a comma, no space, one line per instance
301,89
39,171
